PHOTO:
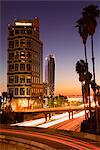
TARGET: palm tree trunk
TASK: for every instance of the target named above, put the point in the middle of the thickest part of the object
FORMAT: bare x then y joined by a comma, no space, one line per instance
85,54
82,85
93,63
87,72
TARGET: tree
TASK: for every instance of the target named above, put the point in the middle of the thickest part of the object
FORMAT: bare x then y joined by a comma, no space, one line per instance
81,70
82,30
90,15
4,94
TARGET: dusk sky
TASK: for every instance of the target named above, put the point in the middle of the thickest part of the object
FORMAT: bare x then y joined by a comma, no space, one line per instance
59,37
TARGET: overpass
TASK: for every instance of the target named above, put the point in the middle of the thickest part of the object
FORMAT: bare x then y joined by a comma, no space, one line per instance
48,111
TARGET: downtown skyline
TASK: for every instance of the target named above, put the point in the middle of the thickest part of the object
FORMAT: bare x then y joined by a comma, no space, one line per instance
59,37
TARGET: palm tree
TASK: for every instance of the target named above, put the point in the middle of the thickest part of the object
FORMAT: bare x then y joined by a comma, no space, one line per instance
81,69
4,94
90,14
82,30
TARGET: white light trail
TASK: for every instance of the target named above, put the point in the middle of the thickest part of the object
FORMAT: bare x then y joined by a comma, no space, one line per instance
48,124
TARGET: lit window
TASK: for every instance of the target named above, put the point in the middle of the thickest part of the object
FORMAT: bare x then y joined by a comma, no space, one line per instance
22,79
16,91
22,91
22,55
28,79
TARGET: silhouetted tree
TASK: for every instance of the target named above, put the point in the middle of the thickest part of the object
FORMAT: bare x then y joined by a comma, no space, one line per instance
81,70
90,15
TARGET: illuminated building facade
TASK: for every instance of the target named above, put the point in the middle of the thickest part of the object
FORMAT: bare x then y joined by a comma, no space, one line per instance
25,64
50,74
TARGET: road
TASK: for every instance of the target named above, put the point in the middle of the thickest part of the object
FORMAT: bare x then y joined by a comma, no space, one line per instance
59,141
56,119
70,125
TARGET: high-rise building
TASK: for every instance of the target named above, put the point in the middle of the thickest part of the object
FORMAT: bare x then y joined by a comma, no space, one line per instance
50,74
25,59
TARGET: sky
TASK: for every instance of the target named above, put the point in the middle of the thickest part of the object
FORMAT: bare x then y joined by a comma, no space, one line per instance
59,37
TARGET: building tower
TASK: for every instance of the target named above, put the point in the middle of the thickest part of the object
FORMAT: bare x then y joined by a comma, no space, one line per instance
25,59
50,74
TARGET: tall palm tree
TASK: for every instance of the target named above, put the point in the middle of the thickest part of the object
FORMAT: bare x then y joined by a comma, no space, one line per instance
90,15
82,29
81,70
81,25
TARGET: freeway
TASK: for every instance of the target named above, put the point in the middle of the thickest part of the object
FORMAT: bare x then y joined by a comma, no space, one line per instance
69,125
58,140
56,119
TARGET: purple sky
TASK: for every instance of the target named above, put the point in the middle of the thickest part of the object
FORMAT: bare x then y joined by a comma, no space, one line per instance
59,36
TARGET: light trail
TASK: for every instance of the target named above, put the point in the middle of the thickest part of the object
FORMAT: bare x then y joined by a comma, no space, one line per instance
48,124
39,121
55,137
54,120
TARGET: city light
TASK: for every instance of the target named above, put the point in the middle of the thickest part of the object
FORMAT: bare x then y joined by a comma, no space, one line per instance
23,24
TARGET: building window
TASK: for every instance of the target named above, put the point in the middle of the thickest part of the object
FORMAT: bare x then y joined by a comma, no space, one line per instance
16,67
29,32
11,67
28,43
28,79
28,55
16,91
16,55
16,79
16,43
17,31
22,67
11,44
28,67
22,91
11,79
11,91
11,56
22,79
22,55
28,91
23,31
11,33
22,42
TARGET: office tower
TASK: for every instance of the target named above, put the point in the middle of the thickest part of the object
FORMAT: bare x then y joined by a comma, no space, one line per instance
50,74
25,64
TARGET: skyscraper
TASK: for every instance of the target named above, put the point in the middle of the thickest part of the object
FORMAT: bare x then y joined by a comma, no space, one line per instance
25,59
50,74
